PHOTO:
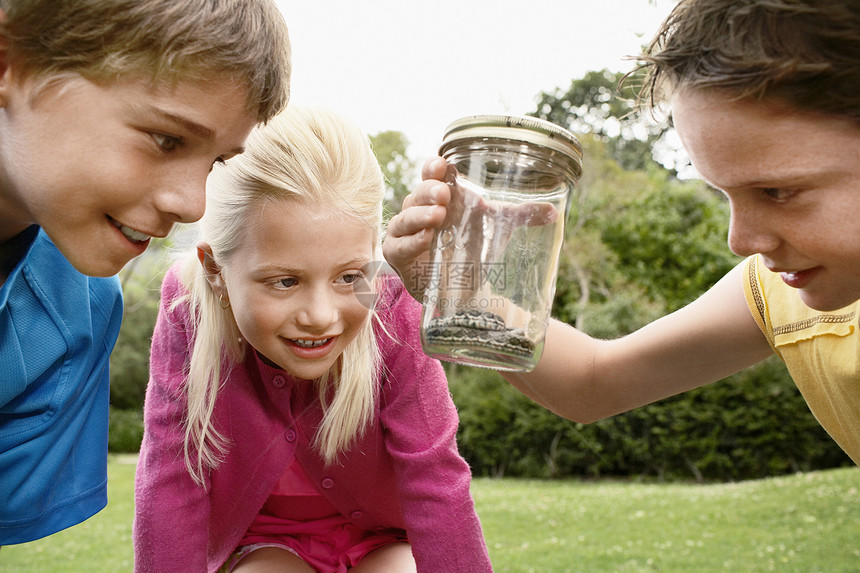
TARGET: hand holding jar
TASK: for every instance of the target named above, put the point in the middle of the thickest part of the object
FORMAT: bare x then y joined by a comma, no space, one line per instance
490,278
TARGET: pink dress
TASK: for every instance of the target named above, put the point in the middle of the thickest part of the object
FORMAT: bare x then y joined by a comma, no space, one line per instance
403,473
297,517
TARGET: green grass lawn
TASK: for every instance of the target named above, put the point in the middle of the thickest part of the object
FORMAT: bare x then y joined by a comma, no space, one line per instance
803,523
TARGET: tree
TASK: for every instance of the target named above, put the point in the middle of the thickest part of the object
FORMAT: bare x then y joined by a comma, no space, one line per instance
603,104
399,170
638,244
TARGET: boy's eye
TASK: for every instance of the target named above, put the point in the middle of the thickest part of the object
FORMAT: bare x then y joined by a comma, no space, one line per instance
166,142
777,193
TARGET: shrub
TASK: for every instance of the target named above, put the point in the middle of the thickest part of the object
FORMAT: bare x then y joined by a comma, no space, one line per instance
752,425
125,431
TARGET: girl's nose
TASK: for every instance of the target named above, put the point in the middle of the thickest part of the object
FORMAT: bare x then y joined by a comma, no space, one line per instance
319,310
750,232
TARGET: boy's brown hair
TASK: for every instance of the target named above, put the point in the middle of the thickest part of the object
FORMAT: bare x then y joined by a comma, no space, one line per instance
160,40
804,52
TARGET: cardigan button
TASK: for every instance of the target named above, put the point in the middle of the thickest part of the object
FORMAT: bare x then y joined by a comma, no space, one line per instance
279,381
327,483
356,515
290,435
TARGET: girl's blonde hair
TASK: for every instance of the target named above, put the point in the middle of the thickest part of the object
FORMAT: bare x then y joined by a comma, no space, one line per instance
303,154
160,40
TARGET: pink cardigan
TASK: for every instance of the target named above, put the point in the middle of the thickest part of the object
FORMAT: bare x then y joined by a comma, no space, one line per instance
404,473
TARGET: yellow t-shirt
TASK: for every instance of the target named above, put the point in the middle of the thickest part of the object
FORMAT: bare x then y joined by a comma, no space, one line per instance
820,349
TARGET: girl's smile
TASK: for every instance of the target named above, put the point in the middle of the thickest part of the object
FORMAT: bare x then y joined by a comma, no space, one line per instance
310,349
291,284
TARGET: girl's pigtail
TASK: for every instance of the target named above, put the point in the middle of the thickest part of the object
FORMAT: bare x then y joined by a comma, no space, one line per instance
215,349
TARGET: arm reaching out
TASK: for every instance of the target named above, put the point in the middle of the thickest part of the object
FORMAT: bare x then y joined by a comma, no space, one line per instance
582,378
585,379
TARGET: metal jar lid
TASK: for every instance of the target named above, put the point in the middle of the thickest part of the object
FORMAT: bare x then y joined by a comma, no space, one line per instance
530,130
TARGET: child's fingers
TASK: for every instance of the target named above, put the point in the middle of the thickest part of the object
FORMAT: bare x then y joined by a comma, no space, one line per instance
434,168
430,192
404,253
415,219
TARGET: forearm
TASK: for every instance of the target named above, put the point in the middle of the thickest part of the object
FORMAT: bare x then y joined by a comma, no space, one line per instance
171,511
565,371
585,379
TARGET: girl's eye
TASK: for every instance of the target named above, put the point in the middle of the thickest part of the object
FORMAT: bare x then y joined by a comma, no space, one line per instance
351,278
285,283
166,142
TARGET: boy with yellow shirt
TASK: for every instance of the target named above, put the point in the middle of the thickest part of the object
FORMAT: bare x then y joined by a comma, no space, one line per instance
765,99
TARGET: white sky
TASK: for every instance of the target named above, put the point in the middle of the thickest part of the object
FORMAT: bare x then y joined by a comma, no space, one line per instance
415,67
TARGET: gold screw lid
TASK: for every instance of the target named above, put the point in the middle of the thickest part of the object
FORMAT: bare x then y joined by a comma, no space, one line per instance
517,128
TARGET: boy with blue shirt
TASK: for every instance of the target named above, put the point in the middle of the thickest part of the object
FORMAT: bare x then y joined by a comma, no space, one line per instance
112,113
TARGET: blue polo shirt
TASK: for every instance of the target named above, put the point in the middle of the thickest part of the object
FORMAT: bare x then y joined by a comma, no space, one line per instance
57,330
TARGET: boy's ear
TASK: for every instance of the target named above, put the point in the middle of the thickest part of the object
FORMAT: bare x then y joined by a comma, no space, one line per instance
211,270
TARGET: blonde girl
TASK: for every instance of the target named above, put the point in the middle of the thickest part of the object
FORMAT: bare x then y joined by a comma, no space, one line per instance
291,419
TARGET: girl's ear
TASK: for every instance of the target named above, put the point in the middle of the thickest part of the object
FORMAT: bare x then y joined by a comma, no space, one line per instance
211,270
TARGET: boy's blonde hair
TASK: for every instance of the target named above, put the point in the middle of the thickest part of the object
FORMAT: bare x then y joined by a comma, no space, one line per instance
161,40
307,155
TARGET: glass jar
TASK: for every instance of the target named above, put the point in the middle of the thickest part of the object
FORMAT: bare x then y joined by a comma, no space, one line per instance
494,261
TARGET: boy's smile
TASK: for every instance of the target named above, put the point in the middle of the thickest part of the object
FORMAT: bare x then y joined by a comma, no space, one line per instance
104,168
792,179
